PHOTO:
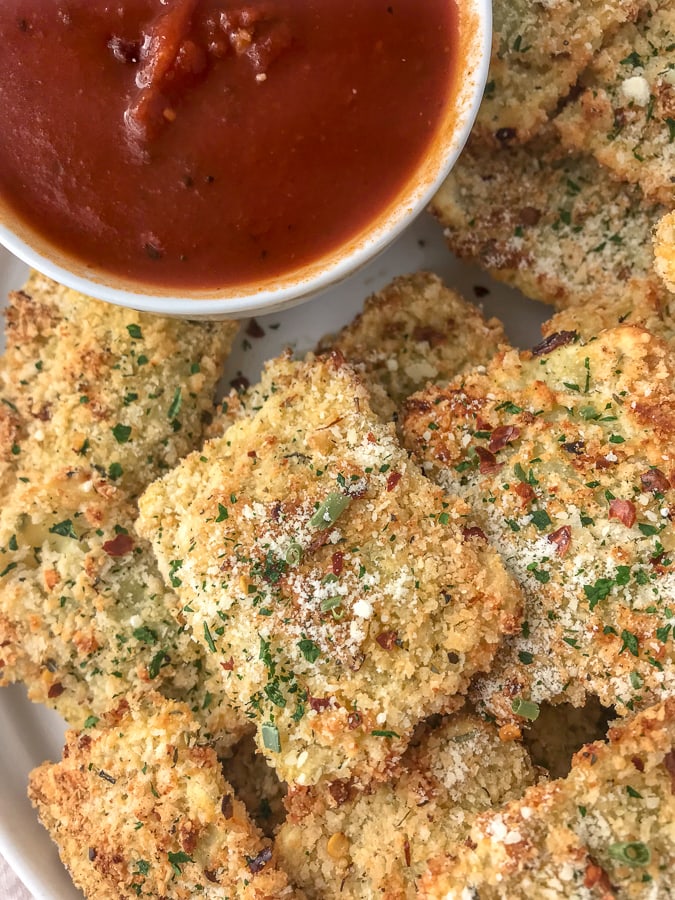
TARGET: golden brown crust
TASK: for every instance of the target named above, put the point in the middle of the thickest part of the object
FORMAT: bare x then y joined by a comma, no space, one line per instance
656,314
85,617
556,226
349,843
564,456
125,392
606,831
414,331
336,635
664,250
139,808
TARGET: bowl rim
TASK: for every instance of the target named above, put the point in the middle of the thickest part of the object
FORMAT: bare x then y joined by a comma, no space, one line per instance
26,242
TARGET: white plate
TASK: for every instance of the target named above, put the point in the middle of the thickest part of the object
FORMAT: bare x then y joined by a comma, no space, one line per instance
30,734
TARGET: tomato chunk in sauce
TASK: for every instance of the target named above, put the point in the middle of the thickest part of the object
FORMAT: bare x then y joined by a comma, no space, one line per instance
207,143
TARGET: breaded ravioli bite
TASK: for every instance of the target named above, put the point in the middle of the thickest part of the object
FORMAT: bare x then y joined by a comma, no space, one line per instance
343,596
85,616
625,115
565,456
538,52
554,225
122,391
656,314
413,331
139,807
664,250
349,843
606,831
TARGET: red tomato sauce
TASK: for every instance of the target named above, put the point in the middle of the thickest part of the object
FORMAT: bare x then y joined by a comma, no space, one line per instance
207,143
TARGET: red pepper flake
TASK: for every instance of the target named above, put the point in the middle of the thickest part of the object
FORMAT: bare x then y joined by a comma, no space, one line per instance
488,461
353,720
669,763
596,877
337,562
525,492
229,665
656,562
119,546
624,511
370,437
655,481
319,704
252,454
387,639
257,863
393,480
562,538
429,335
472,532
55,690
340,791
254,329
502,436
638,763
406,851
553,341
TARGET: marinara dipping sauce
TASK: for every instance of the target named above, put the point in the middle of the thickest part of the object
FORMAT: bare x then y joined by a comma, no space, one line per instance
211,143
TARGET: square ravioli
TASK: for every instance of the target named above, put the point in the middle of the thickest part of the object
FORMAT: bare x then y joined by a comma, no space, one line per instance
656,314
342,842
344,597
538,51
89,383
413,331
555,225
606,831
565,455
85,616
138,807
625,115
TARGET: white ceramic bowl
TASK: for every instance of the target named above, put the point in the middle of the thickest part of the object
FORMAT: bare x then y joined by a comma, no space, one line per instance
475,32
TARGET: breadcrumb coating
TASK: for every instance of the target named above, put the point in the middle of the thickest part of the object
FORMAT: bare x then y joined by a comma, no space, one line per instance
414,331
125,392
349,843
138,807
338,589
625,116
85,617
538,52
664,250
606,831
554,225
656,314
565,456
